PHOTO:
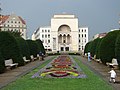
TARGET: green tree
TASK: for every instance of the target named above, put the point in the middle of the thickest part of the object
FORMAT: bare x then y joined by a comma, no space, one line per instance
40,46
94,46
24,48
9,48
107,46
88,47
33,47
97,52
117,49
2,64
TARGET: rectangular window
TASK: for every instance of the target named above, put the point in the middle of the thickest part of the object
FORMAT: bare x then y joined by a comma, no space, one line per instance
48,35
42,36
48,41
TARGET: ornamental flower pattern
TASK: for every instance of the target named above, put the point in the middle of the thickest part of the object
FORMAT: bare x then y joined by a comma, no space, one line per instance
61,67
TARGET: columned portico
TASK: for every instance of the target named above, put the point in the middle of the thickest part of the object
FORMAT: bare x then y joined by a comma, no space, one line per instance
64,38
65,29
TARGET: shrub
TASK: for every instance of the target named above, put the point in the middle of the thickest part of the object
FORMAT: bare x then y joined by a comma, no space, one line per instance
33,47
94,46
24,48
97,52
2,64
9,48
107,47
40,46
117,49
88,47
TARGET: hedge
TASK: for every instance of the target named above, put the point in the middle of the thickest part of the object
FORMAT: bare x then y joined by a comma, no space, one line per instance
97,52
117,49
24,48
2,64
40,46
94,46
33,47
107,46
9,48
88,47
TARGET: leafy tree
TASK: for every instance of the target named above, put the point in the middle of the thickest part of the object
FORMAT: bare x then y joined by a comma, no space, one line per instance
2,64
117,49
97,52
40,46
9,48
88,47
24,48
33,47
94,46
107,46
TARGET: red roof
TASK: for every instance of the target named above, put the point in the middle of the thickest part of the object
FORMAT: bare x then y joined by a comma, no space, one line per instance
3,18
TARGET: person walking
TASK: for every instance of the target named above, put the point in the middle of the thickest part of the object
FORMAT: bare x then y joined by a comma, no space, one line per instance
112,75
89,56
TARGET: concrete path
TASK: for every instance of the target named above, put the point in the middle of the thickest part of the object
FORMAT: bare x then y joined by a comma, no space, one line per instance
11,75
102,71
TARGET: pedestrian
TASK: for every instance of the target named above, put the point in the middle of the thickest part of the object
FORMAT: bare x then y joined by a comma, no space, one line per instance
89,56
112,75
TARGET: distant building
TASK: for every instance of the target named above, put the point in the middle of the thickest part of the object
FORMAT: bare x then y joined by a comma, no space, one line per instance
13,23
63,34
101,35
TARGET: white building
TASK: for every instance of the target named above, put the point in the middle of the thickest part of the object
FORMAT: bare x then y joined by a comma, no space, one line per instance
13,23
63,34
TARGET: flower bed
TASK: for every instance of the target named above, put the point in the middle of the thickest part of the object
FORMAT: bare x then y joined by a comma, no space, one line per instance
61,67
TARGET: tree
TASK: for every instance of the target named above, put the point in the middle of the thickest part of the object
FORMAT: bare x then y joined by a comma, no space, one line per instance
40,46
88,47
33,47
9,48
24,48
94,46
2,64
117,49
97,52
107,46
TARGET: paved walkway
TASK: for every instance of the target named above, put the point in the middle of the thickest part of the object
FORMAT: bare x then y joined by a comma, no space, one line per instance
11,75
101,70
98,68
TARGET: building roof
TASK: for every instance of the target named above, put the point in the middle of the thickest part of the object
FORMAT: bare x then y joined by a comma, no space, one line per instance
4,18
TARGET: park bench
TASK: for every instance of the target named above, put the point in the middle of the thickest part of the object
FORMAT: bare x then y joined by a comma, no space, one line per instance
98,60
9,63
32,57
113,64
25,60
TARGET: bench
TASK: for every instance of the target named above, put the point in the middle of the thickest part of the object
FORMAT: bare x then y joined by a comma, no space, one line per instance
32,57
113,64
25,60
9,63
98,60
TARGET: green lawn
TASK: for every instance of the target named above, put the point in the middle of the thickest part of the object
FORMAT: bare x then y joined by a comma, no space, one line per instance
92,82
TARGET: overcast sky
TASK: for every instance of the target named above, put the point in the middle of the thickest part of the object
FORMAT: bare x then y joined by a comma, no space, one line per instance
99,15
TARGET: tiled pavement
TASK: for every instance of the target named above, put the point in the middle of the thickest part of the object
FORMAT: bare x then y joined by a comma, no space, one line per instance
98,68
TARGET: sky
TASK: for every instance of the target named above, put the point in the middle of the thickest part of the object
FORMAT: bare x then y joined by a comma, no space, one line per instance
98,15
